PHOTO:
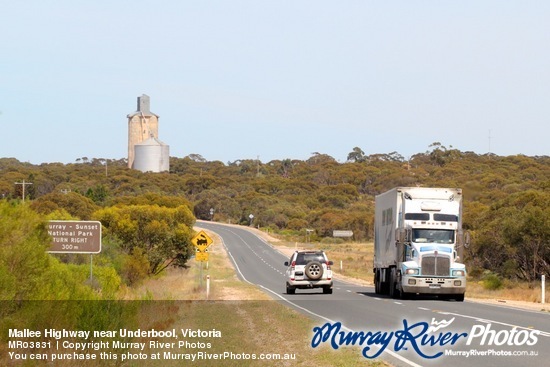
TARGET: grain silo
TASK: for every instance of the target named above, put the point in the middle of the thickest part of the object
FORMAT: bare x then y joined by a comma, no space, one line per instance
151,155
145,151
142,125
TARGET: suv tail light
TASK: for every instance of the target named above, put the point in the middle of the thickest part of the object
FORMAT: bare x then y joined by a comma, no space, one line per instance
292,267
328,268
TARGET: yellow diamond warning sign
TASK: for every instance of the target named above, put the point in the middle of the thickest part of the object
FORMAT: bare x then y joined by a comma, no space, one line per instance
202,241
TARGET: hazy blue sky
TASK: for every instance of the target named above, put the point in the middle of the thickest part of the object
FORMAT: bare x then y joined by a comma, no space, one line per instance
275,79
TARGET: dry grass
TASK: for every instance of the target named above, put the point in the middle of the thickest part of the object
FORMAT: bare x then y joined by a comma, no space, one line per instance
190,283
246,311
513,291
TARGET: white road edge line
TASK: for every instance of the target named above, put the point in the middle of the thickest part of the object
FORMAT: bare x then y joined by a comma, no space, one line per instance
393,354
411,363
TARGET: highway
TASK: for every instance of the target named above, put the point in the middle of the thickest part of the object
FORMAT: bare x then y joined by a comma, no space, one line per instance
410,332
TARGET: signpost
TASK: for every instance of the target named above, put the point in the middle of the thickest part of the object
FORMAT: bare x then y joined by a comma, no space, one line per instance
342,233
201,256
81,237
75,237
201,241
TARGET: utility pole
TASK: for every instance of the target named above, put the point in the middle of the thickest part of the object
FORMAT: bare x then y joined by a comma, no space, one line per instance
23,184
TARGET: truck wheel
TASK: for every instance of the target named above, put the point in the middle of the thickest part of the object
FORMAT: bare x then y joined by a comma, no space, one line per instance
377,283
314,270
459,297
393,289
384,286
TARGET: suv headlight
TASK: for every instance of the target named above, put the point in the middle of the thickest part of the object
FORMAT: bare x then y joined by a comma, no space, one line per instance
458,273
412,272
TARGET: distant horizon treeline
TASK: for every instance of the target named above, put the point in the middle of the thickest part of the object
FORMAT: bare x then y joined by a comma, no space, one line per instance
506,199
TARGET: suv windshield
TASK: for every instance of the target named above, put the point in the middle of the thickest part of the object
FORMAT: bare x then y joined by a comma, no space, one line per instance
433,236
304,257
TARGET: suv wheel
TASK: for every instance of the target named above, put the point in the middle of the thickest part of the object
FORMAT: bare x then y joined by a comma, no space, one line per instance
327,290
314,270
290,290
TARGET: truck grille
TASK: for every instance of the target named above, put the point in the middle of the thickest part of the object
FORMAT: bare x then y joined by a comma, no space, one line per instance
436,265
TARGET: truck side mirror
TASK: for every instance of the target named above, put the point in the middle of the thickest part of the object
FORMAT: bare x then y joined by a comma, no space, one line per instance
403,235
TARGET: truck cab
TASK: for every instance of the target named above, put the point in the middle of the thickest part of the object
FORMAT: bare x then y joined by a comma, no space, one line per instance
423,254
431,262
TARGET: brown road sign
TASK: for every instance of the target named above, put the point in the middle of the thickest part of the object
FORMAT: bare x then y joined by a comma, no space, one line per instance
75,236
202,241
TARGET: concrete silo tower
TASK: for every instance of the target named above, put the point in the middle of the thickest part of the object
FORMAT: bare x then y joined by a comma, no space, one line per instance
142,125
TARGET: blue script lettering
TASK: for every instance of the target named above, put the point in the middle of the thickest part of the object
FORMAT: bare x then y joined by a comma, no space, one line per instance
413,335
337,338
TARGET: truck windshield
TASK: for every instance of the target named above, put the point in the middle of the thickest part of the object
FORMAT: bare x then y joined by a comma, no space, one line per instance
433,236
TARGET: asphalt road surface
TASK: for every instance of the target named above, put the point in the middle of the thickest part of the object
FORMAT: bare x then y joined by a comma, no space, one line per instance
405,332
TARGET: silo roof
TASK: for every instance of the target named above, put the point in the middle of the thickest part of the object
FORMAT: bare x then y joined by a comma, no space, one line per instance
146,114
151,141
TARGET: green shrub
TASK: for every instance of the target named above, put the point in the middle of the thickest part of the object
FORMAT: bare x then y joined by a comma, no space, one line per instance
491,281
135,267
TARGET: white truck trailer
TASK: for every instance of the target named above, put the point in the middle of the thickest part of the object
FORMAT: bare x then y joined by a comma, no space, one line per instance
419,242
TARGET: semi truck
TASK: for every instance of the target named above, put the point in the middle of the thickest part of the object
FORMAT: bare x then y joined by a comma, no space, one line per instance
419,243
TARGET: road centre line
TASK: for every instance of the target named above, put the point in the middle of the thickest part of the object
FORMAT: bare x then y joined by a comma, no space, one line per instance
393,354
542,333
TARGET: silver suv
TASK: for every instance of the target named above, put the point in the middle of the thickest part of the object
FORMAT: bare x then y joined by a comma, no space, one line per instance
308,269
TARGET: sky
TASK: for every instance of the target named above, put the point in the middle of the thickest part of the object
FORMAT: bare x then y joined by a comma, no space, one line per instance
272,80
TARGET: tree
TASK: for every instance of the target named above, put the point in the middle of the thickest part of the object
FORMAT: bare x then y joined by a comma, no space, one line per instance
285,167
23,257
27,271
163,234
356,155
75,204
197,158
319,158
517,232
97,194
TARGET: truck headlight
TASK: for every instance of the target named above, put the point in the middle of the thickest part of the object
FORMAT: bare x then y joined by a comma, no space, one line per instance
458,273
412,272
